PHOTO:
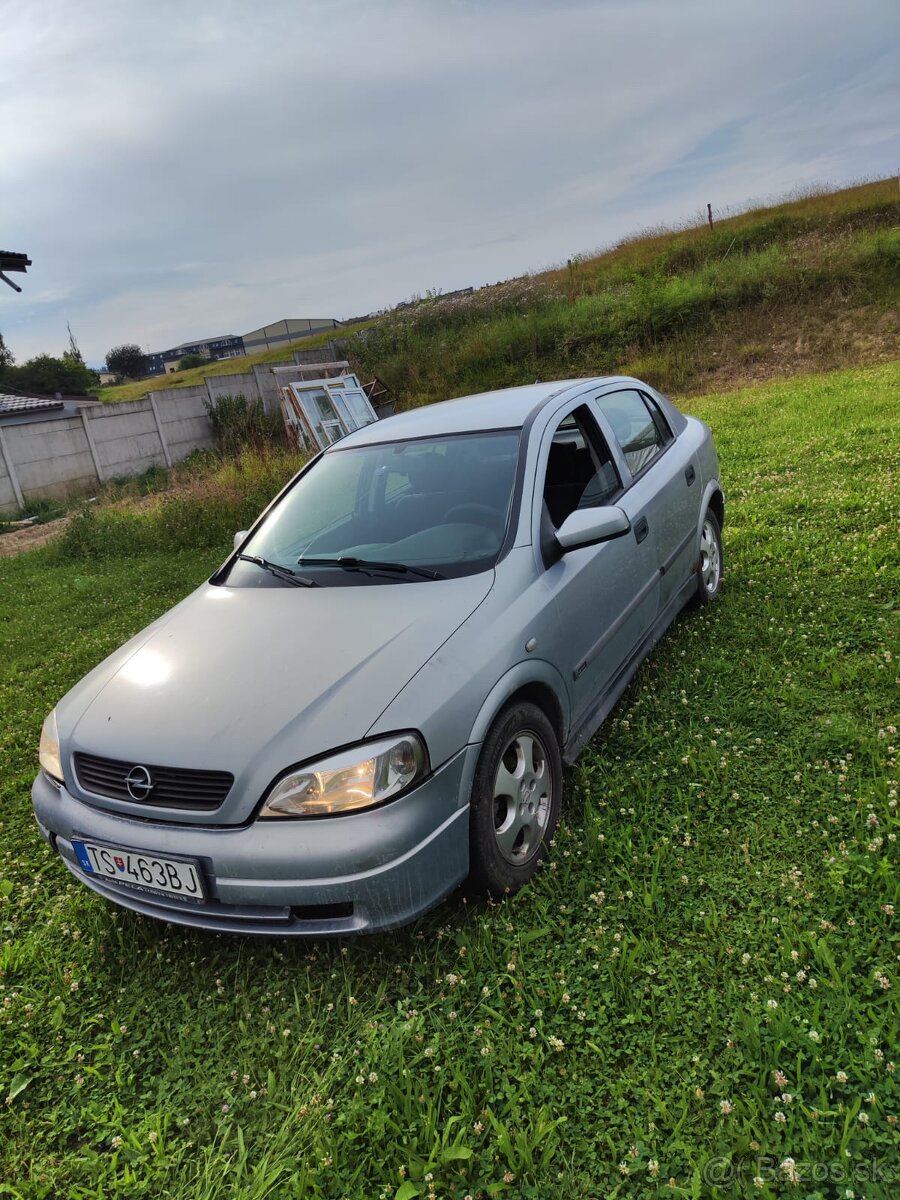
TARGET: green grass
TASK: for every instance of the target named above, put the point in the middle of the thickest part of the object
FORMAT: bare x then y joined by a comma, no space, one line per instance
813,281
809,283
39,511
712,936
226,366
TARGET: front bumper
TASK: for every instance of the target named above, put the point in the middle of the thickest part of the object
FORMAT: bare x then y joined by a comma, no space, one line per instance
361,872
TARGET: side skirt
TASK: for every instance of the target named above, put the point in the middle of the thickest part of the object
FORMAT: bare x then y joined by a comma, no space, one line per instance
603,706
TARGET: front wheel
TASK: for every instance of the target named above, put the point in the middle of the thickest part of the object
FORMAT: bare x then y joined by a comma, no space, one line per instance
516,799
709,568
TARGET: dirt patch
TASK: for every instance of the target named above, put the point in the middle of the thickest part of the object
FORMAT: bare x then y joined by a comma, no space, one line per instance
30,537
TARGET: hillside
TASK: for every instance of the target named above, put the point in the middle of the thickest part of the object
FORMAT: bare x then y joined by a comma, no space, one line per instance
812,284
808,284
225,366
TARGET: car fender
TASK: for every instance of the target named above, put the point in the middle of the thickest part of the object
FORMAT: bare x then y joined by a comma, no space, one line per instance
527,672
713,488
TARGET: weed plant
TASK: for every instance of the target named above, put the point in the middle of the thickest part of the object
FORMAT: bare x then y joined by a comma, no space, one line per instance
241,424
205,512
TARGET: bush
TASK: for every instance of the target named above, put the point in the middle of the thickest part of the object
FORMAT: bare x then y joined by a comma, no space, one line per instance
241,424
45,375
203,516
188,361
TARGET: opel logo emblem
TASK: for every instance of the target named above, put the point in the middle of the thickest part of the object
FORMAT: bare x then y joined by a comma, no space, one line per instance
139,782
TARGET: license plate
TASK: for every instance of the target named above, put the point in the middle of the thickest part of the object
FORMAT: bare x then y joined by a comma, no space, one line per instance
146,871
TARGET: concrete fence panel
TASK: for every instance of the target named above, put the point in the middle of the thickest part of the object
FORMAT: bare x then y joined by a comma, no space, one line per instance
71,454
243,384
9,501
51,458
184,420
126,438
268,386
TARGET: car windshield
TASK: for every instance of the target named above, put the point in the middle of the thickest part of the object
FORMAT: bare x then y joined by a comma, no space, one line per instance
398,511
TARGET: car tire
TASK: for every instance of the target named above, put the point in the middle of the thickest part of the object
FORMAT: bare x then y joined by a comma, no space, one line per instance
711,560
516,797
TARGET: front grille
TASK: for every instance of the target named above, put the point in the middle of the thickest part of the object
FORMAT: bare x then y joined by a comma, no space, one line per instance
173,787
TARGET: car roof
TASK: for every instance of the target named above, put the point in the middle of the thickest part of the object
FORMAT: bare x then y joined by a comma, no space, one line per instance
508,408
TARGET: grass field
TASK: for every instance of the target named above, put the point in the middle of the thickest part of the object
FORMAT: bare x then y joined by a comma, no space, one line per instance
699,991
811,283
226,366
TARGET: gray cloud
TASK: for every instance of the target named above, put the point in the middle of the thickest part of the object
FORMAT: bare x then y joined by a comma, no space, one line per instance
177,170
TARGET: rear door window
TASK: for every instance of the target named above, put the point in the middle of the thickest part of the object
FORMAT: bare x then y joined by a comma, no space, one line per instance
639,427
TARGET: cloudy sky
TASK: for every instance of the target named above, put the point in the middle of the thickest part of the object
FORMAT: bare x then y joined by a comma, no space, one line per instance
183,168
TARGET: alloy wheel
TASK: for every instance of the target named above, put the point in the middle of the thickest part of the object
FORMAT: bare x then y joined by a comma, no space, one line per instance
522,797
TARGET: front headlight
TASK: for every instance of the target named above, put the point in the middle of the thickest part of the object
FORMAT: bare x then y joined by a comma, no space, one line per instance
48,755
353,779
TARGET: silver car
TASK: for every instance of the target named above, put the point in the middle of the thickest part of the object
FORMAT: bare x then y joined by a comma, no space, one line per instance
373,698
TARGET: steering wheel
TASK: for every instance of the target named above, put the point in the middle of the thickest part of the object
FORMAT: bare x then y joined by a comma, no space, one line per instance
474,514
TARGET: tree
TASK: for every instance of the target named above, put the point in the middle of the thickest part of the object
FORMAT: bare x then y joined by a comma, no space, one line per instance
6,357
192,360
45,375
128,360
73,354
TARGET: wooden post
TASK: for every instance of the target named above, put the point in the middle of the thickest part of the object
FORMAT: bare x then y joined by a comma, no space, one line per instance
709,215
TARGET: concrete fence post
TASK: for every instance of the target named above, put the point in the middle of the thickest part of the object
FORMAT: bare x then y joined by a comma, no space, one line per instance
159,429
92,445
11,470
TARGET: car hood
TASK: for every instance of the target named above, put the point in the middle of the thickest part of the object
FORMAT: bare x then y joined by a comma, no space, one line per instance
254,680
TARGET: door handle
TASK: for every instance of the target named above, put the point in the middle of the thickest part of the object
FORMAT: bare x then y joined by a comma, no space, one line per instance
641,529
690,474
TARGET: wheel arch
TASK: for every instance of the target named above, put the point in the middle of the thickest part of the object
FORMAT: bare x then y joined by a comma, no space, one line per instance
535,681
714,501
716,504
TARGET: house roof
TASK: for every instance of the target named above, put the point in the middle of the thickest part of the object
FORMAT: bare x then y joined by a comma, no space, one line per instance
14,406
12,260
219,337
20,410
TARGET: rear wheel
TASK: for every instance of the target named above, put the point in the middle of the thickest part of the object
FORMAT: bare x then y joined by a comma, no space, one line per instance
515,800
709,568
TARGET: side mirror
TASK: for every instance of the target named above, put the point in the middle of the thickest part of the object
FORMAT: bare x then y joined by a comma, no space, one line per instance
587,526
239,537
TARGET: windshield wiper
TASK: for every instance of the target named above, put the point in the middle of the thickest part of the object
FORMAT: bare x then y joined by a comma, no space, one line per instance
284,573
349,563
